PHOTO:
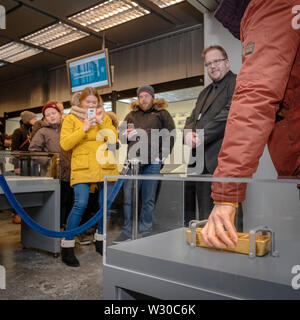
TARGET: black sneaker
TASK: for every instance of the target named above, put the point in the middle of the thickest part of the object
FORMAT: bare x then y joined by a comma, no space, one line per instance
121,238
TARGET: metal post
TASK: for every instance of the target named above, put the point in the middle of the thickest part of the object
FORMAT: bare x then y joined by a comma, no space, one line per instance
104,218
135,199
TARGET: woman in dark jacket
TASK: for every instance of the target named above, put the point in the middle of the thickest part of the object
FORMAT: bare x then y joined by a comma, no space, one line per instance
46,139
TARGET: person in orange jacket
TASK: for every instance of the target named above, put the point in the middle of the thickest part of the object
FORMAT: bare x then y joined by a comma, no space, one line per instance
265,107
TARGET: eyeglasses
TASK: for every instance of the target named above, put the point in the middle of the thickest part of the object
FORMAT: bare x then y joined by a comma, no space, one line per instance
209,64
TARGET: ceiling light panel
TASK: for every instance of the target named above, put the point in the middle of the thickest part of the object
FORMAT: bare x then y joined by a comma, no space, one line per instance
165,3
55,35
15,51
109,14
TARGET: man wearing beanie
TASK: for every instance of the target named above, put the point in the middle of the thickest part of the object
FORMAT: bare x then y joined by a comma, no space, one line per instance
147,113
22,136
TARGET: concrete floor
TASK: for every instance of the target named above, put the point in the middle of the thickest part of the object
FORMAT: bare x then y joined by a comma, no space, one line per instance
32,274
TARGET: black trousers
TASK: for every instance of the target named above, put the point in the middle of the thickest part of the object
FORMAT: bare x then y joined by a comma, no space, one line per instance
66,201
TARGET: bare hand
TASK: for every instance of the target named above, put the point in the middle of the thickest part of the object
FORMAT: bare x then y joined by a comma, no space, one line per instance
129,133
89,122
192,140
221,218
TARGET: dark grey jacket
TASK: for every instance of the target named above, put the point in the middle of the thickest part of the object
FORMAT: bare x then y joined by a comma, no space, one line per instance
215,110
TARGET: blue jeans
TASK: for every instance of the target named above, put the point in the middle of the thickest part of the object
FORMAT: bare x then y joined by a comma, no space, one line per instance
81,198
148,188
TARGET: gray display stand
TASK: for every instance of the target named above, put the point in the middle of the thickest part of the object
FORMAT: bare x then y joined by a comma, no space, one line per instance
164,266
40,197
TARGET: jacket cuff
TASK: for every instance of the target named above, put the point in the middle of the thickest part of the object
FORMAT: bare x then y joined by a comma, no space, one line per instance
228,191
233,204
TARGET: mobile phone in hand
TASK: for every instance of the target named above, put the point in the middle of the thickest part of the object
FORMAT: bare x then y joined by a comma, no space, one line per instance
91,114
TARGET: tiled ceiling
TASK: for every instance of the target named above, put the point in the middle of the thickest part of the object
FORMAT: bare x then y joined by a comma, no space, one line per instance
26,17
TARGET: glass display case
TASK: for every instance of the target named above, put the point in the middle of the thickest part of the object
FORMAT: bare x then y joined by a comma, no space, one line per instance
167,264
29,164
33,178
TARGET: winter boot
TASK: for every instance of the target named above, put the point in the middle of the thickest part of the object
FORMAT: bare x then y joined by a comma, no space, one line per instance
99,242
67,253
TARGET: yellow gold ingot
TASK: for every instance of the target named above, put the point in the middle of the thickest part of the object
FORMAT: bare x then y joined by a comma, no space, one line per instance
263,243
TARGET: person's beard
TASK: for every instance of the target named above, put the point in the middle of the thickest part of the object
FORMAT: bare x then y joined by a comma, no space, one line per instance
146,107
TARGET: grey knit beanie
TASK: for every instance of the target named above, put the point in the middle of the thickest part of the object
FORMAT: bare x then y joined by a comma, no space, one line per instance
26,116
147,89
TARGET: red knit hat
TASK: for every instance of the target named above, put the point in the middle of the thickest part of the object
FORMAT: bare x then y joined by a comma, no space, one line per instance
50,105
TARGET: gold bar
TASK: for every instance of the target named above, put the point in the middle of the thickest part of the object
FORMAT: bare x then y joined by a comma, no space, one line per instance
263,243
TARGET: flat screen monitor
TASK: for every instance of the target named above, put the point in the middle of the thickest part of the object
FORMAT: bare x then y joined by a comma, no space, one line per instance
90,70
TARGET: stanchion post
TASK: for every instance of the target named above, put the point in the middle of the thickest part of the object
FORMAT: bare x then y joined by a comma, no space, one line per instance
135,199
104,218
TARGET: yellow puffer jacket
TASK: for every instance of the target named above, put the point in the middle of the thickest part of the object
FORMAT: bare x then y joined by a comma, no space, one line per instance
85,146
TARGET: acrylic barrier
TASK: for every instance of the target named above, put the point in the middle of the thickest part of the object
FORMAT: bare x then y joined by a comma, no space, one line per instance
29,164
165,257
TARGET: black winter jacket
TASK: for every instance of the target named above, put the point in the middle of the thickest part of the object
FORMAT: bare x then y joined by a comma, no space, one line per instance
154,118
19,136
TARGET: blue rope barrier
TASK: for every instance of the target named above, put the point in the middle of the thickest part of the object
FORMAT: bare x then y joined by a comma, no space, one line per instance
50,233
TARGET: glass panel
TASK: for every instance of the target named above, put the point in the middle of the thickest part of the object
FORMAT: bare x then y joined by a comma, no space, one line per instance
37,164
167,214
268,222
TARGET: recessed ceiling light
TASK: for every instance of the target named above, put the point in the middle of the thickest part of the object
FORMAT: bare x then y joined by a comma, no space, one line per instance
109,14
54,36
165,3
15,51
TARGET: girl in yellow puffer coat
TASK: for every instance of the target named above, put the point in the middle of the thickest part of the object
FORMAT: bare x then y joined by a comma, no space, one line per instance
85,139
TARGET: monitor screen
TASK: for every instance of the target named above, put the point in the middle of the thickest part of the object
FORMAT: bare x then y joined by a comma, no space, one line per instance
91,70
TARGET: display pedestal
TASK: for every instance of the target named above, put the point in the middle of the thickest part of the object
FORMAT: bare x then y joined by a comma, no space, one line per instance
164,266
40,197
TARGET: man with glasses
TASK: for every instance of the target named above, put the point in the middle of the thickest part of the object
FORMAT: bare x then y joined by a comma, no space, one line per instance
210,114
